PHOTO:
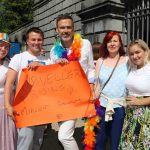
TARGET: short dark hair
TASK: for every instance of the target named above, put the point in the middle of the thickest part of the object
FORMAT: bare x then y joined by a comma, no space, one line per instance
36,30
62,17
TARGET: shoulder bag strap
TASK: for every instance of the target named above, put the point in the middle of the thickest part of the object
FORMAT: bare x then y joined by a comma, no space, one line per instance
110,74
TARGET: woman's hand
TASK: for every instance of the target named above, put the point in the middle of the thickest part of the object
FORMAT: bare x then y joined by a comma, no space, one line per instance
10,111
132,100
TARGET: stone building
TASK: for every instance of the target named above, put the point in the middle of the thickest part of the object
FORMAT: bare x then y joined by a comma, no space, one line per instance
92,18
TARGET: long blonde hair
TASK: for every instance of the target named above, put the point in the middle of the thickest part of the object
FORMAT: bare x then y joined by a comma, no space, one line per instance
143,46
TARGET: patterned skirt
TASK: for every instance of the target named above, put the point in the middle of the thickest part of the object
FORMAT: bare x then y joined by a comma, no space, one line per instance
136,129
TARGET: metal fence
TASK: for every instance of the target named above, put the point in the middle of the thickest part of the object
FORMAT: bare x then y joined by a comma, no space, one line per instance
137,20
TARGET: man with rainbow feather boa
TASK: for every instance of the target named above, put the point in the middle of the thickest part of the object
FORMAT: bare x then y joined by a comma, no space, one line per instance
69,46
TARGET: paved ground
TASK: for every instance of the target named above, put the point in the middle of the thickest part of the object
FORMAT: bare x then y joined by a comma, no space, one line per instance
50,137
51,141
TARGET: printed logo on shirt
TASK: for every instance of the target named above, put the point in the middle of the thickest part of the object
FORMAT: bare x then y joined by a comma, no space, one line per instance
41,62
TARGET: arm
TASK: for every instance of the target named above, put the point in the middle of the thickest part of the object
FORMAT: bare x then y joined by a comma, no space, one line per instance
91,72
131,100
92,98
11,77
97,84
91,66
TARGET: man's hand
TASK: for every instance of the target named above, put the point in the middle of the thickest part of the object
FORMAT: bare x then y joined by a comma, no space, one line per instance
33,65
62,61
93,96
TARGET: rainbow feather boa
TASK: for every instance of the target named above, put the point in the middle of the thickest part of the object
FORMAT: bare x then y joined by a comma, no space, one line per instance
75,49
90,126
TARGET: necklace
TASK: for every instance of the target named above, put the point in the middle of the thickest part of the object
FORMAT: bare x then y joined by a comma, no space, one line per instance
75,53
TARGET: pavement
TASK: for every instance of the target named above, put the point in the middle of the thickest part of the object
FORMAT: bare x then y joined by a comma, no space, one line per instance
51,142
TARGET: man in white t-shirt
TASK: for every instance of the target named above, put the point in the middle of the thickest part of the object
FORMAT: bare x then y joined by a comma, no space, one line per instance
29,138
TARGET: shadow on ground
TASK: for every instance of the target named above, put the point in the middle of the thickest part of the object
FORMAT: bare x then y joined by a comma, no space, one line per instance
51,142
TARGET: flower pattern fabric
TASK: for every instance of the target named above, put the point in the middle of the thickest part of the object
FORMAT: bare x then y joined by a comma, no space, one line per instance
136,129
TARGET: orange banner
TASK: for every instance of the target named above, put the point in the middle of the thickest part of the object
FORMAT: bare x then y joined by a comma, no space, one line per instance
52,93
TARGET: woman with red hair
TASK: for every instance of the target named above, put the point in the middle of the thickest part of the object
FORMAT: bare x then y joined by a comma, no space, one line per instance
111,73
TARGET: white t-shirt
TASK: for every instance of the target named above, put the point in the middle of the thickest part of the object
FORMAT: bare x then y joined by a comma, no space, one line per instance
20,61
138,81
3,71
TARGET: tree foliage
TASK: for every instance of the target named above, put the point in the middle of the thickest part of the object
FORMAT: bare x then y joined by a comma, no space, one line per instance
14,13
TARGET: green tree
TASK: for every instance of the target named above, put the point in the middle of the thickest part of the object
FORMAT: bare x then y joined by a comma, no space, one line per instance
14,13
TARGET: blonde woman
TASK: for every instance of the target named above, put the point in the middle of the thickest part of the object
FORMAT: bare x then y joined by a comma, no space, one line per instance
136,130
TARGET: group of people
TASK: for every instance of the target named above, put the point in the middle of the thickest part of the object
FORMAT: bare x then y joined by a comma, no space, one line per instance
119,81
123,90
